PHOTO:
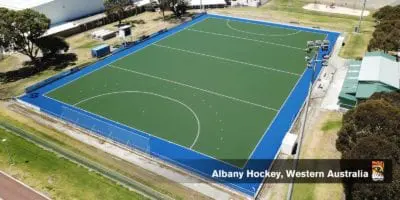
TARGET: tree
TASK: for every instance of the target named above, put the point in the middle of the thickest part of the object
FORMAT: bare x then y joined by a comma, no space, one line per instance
371,131
374,117
387,13
116,7
386,36
52,45
178,7
164,5
369,148
20,29
393,97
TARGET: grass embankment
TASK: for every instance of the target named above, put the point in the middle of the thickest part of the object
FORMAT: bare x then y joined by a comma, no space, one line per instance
321,144
136,173
55,176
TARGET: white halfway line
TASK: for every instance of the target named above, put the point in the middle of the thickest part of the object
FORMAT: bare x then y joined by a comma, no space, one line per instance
242,38
193,87
226,59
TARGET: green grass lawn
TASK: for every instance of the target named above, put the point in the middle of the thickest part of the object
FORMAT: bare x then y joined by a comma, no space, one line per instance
54,175
332,125
321,144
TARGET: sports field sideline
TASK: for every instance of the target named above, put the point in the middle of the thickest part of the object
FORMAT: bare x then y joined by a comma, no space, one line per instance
214,87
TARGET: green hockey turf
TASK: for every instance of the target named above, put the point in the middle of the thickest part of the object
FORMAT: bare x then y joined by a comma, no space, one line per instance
214,87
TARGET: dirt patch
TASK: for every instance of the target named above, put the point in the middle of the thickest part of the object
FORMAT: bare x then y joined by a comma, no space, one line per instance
335,9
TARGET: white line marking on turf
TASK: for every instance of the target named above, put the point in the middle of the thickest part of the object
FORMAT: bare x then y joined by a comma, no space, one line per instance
260,34
154,94
284,103
267,23
101,118
226,59
193,87
131,53
273,120
248,39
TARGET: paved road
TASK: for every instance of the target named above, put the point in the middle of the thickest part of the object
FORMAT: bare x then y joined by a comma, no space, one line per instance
12,189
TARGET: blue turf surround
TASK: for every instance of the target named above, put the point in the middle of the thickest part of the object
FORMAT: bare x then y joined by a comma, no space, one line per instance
201,164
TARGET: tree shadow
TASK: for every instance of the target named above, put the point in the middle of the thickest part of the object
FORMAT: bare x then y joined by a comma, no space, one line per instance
173,19
56,62
130,22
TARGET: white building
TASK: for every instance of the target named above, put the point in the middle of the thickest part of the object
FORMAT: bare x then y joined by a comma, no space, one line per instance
58,11
206,3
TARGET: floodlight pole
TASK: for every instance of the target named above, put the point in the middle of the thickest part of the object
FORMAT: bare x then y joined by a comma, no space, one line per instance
303,124
361,16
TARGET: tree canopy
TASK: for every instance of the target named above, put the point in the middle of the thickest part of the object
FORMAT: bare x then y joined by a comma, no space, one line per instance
371,131
20,29
387,13
52,45
116,7
178,7
386,36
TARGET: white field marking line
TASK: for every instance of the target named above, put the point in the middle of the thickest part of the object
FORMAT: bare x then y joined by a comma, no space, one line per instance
196,88
248,39
269,126
284,103
296,118
288,26
226,59
154,94
131,53
23,184
84,112
260,34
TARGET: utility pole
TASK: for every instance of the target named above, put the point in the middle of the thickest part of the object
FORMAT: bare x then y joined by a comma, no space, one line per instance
361,16
303,125
311,64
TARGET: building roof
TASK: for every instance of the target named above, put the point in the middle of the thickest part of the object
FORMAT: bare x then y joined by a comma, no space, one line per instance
206,2
380,67
347,96
142,2
377,72
351,81
366,89
72,24
22,4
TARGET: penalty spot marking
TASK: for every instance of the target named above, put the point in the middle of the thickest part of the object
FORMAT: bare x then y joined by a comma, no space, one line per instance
152,94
